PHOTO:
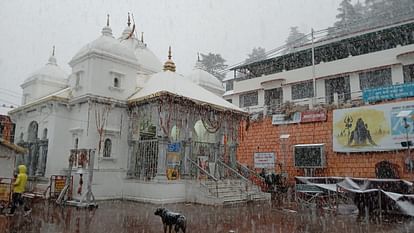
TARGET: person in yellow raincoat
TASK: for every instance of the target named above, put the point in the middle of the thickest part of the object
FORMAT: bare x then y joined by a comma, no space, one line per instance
19,187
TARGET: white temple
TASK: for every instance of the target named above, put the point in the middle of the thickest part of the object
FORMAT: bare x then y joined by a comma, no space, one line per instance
120,101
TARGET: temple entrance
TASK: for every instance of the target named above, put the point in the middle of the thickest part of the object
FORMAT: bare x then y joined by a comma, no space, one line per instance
144,159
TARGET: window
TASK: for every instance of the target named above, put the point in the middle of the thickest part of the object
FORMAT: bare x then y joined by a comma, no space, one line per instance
249,99
408,71
338,85
229,100
44,134
78,78
302,90
376,78
229,85
274,97
26,98
76,143
107,148
116,82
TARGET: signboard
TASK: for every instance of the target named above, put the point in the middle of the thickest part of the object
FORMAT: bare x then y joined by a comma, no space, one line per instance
174,147
372,128
264,160
280,119
389,92
313,116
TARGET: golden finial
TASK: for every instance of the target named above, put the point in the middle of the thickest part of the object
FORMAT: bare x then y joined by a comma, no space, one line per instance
129,20
142,37
169,64
53,51
107,20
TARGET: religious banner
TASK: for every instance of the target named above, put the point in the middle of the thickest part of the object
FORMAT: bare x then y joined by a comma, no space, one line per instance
313,116
173,165
372,128
264,160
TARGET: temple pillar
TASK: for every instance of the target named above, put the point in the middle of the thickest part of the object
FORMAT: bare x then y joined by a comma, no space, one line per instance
162,157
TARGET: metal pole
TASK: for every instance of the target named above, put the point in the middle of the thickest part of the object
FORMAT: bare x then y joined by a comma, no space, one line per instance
380,206
313,68
408,141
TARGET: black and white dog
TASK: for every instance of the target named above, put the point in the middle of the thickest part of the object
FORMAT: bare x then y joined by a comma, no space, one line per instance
171,219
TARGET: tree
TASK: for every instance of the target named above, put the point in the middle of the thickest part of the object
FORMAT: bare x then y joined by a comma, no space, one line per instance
257,54
295,39
346,17
214,64
379,12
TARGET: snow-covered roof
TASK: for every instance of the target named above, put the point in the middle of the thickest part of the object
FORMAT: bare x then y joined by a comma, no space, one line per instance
173,83
105,45
204,79
63,94
228,77
227,93
50,72
4,110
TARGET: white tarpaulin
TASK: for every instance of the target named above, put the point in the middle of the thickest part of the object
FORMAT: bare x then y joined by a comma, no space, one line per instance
399,192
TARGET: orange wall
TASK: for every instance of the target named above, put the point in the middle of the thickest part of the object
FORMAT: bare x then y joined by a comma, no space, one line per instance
262,136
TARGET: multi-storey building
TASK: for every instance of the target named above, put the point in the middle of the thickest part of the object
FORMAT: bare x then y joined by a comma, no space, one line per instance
329,83
343,68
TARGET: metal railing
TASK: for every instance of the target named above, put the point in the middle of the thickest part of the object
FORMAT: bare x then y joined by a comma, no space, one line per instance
196,171
224,171
252,176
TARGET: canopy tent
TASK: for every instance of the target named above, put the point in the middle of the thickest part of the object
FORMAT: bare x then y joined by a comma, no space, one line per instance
395,194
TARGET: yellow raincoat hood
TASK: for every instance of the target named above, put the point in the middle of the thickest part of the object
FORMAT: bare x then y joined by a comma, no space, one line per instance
21,180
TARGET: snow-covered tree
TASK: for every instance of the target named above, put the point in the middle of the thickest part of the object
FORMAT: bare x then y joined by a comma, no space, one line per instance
348,17
257,54
295,39
214,64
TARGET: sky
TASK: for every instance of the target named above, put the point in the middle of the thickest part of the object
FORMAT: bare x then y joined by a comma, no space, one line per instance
232,28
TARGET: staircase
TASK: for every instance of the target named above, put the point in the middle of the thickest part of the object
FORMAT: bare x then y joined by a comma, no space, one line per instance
230,191
225,187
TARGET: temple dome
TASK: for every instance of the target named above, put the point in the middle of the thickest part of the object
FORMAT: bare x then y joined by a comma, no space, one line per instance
50,72
105,45
206,80
146,58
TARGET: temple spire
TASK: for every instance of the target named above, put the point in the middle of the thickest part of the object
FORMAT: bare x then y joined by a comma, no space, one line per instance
52,59
142,37
169,64
107,31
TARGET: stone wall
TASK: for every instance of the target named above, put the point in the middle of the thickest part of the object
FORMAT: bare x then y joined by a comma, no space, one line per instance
262,136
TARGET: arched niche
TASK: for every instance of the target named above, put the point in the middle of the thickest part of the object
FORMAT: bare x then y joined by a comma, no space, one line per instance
175,133
202,134
32,131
